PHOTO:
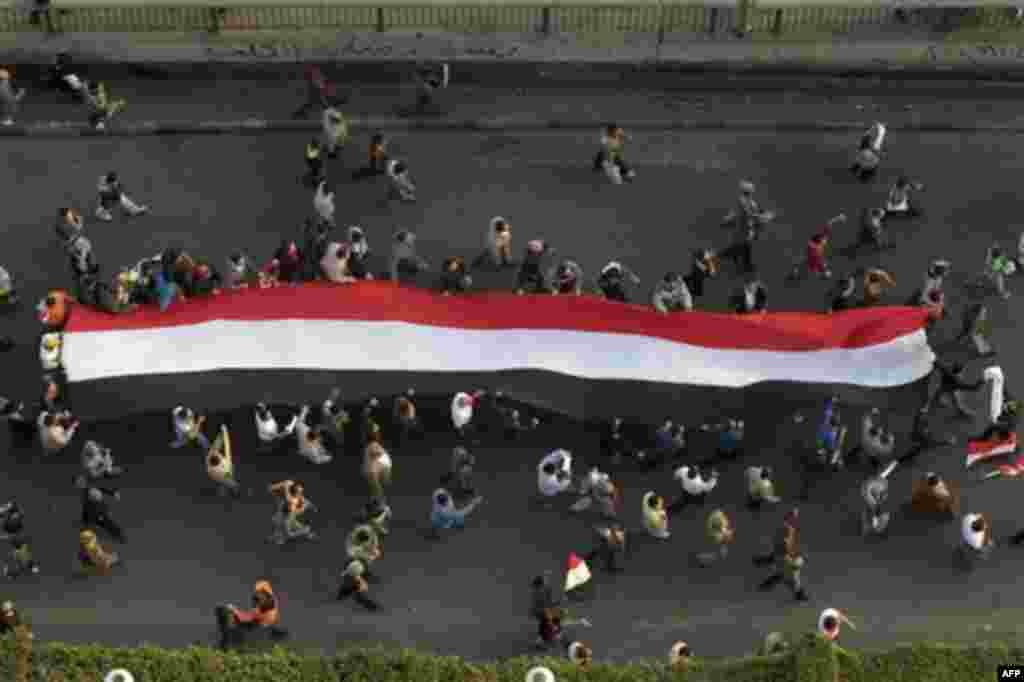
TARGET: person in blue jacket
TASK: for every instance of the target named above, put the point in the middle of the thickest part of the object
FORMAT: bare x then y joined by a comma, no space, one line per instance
445,516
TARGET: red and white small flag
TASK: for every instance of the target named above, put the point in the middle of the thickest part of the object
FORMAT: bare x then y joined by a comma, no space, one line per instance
981,450
578,573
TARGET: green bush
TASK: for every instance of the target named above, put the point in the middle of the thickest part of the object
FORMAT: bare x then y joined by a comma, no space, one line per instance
812,660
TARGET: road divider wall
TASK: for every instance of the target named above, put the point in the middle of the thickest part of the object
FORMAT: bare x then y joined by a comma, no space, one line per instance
811,660
772,18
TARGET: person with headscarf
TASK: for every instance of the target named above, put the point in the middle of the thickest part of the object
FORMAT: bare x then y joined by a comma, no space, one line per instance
220,465
455,277
359,252
720,533
977,330
445,516
554,474
654,515
611,281
288,522
760,487
532,275
377,466
56,431
931,495
900,202
10,98
497,251
830,623
188,428
462,409
406,264
310,439
336,132
334,265
92,558
567,279
402,185
268,431
111,194
671,295
876,282
787,558
237,625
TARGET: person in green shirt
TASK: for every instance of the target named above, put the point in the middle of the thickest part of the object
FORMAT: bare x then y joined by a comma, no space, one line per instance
999,268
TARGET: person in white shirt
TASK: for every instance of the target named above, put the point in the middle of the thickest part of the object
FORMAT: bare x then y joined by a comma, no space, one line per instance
554,474
696,484
268,431
336,131
976,537
323,203
334,266
311,442
50,346
401,183
56,431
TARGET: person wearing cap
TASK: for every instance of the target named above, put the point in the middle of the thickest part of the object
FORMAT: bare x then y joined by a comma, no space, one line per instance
720,533
335,131
406,264
445,516
355,585
611,281
497,251
111,194
977,330
930,495
671,295
760,487
236,625
787,558
9,98
402,185
531,276
951,387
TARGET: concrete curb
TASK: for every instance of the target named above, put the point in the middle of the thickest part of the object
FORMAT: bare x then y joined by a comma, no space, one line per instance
57,129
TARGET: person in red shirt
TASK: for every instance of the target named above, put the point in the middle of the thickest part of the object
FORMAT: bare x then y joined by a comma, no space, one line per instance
320,92
816,261
236,624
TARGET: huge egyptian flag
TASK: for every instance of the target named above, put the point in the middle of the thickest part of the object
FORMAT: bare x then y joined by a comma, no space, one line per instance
291,344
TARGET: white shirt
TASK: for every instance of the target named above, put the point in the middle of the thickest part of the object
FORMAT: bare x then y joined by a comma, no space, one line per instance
462,409
323,203
267,429
994,377
696,485
975,540
333,268
550,486
830,634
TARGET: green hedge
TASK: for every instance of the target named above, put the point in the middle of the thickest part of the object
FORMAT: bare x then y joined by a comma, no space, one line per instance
813,660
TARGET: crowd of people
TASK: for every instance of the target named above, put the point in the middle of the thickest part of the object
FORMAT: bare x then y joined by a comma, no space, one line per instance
326,253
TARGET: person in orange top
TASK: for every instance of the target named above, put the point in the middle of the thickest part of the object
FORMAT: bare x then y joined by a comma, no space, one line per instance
236,624
288,524
378,159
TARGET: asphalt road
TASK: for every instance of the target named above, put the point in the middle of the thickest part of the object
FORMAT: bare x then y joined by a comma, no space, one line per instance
468,595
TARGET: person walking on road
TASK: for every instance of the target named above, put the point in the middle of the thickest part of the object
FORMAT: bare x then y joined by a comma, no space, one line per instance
377,161
335,130
787,559
319,92
748,220
9,98
111,194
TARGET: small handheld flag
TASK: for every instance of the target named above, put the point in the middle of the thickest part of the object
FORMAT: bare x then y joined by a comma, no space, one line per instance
578,573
